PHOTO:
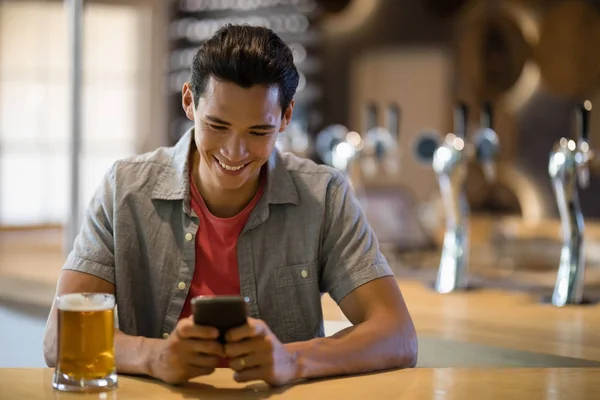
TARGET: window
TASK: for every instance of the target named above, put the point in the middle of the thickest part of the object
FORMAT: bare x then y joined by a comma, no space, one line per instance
35,108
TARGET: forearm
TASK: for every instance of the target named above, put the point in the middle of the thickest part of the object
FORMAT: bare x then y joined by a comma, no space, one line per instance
133,354
375,344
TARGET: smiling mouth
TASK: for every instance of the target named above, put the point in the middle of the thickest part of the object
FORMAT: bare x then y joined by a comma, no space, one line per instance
230,167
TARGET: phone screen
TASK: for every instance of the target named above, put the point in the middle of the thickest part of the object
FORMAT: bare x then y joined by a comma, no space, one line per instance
221,312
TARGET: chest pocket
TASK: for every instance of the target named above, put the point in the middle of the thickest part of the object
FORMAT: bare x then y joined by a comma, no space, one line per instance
300,274
299,300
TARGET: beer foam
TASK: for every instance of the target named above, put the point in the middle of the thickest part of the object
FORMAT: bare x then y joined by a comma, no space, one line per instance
85,302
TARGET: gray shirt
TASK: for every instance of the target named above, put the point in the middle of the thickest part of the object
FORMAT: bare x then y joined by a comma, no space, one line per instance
306,236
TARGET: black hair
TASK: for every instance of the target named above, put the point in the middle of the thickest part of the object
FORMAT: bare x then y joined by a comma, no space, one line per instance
247,56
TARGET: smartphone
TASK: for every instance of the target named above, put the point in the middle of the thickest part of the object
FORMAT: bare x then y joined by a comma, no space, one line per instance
221,312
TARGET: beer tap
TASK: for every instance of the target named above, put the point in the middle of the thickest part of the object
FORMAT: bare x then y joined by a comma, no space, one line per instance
339,148
569,170
450,162
294,139
487,145
379,153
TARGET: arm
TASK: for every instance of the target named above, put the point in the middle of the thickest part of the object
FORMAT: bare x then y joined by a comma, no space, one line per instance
358,278
90,268
132,353
190,351
383,336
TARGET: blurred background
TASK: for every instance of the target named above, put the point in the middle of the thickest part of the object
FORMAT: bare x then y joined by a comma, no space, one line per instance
395,65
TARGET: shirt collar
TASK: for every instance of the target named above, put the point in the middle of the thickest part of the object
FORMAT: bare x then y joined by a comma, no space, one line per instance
174,183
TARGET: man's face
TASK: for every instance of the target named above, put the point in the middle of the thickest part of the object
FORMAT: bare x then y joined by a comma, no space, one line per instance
236,129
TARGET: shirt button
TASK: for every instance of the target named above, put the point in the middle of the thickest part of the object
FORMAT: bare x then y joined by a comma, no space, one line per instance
181,285
165,335
189,236
304,273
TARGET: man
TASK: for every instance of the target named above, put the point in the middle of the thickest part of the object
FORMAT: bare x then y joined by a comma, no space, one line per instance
224,213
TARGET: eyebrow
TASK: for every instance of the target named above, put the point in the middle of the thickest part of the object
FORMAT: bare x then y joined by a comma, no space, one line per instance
220,121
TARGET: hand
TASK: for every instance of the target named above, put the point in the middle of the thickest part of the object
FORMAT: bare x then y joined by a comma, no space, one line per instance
255,353
189,351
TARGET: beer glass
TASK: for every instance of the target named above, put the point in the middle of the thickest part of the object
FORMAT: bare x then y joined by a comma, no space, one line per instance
86,355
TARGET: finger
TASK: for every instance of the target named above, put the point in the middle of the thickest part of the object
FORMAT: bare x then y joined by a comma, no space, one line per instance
186,329
251,361
254,374
252,328
246,347
201,361
209,347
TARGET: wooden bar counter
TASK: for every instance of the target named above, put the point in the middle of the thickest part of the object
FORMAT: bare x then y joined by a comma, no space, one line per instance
413,384
490,343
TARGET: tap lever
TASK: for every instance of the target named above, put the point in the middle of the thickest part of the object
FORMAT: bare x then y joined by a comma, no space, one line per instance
585,153
583,121
569,171
486,142
486,118
449,163
461,115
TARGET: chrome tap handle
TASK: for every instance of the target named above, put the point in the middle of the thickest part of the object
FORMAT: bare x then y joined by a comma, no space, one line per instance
380,153
562,168
461,114
333,148
294,139
568,169
449,163
486,118
487,145
583,144
339,148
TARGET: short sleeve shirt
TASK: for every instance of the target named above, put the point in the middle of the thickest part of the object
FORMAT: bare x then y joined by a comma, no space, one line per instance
306,236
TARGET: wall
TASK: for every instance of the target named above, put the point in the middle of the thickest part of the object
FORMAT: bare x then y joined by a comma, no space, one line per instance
530,115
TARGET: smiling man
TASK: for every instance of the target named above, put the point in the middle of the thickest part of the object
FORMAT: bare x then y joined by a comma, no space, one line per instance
224,213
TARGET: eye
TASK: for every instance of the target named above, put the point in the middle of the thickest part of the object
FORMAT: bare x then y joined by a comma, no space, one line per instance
217,127
260,133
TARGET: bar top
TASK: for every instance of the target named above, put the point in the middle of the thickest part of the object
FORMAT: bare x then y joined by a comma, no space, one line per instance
413,384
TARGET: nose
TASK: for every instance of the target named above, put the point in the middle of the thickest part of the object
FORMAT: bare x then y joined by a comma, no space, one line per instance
235,149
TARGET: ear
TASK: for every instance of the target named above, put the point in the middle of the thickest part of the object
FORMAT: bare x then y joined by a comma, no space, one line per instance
187,101
287,116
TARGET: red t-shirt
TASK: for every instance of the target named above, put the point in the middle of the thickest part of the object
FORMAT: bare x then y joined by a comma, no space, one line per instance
216,271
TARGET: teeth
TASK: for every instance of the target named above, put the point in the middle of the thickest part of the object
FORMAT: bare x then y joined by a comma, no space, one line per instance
230,168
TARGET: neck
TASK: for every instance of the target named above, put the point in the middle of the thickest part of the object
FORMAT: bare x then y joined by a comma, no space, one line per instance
223,203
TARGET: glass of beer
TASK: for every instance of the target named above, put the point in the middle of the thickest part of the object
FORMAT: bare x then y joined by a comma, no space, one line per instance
86,353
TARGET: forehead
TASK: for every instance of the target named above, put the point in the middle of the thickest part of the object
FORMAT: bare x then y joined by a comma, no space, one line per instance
234,103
